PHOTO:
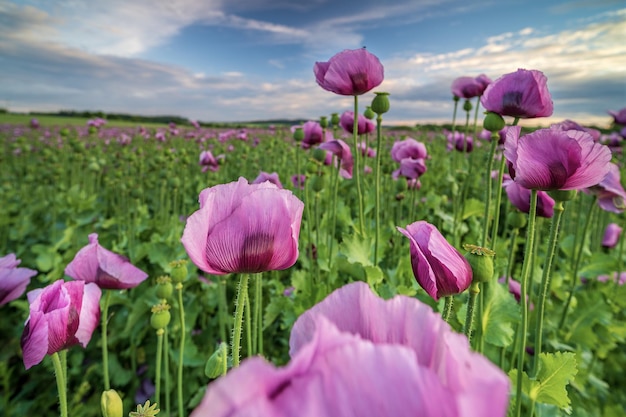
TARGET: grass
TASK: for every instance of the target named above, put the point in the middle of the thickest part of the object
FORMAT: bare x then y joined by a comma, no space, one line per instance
24,119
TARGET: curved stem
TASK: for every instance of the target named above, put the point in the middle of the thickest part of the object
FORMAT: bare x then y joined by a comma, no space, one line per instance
181,307
61,387
545,280
105,350
474,290
528,251
240,303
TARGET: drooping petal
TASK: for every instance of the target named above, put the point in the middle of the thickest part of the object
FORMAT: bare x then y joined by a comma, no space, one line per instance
89,317
34,340
13,280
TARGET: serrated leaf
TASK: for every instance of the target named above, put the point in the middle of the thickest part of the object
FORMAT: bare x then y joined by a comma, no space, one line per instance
374,275
357,250
555,372
473,207
500,312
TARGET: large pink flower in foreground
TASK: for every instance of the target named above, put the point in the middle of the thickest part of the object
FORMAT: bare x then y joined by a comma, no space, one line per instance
438,267
523,94
13,280
351,72
62,314
108,270
244,228
550,159
356,355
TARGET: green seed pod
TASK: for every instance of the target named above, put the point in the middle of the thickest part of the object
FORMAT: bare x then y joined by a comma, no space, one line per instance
111,404
562,195
493,122
334,119
380,103
323,122
319,154
215,365
160,316
318,183
369,113
401,185
481,261
298,134
516,219
467,106
164,288
179,271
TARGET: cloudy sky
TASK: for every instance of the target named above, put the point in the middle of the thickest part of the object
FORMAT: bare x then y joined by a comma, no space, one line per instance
241,60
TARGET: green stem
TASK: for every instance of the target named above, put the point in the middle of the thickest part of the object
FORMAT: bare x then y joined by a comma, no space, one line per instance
331,233
488,189
474,290
167,372
159,354
105,350
379,140
528,250
579,252
357,164
447,307
59,372
249,338
181,307
222,309
456,105
240,303
476,116
545,280
496,214
258,299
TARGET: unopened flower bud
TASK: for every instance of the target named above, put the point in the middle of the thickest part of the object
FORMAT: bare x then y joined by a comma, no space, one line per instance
380,103
317,183
111,404
562,195
298,134
215,365
369,113
516,219
334,119
164,287
467,106
323,122
493,122
481,261
319,154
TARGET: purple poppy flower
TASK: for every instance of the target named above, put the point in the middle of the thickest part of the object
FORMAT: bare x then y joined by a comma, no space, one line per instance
621,280
209,162
619,117
549,159
13,280
572,125
610,192
484,81
62,314
520,198
244,228
298,181
438,267
523,94
342,151
346,360
460,142
410,168
611,235
515,288
408,148
350,72
264,176
313,134
467,87
108,270
364,125
34,123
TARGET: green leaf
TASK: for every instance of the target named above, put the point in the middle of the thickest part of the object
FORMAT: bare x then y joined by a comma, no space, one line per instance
500,312
555,372
357,250
473,207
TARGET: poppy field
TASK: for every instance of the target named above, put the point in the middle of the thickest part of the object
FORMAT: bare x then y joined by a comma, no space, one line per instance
339,267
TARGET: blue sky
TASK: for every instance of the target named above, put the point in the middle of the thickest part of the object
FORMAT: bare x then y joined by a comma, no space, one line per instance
241,60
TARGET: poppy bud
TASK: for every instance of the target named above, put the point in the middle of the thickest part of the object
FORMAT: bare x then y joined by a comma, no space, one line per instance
179,270
481,261
324,122
164,287
160,316
380,103
369,113
111,404
467,106
319,155
298,134
334,119
493,122
215,365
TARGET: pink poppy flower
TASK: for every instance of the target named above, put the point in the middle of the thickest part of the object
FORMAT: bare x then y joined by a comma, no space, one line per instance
467,87
298,181
342,151
108,270
364,125
438,267
350,72
610,192
244,228
523,94
313,134
264,176
410,168
62,314
572,125
209,162
611,235
619,117
460,142
408,148
549,159
515,288
13,280
354,354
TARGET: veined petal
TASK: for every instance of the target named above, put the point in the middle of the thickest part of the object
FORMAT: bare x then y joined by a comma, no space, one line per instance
34,339
89,317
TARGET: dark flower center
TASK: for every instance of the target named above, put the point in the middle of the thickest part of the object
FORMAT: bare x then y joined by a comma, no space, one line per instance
512,103
359,83
256,253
